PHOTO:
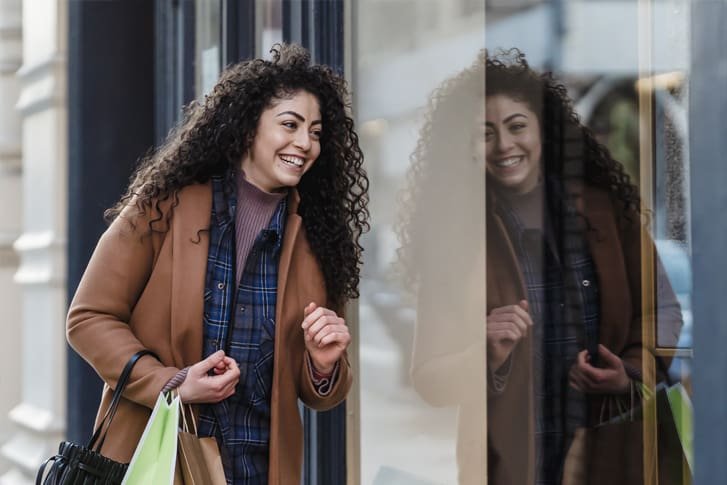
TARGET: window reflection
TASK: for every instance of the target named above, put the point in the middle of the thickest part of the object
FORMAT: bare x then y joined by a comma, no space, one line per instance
403,438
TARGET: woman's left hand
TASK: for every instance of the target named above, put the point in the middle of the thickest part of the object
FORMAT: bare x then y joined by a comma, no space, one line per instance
326,337
610,378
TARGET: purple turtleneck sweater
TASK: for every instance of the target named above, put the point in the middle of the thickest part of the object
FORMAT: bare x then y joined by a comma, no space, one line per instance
254,209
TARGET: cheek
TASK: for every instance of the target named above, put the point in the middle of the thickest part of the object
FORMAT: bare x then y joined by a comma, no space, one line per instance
487,150
316,152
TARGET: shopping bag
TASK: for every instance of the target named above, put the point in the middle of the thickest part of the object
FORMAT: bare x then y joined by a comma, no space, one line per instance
198,458
613,451
155,458
75,463
683,412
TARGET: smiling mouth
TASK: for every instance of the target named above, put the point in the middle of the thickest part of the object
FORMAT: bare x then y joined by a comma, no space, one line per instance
292,160
508,162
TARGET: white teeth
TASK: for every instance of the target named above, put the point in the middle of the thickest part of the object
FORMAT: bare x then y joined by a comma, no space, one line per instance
297,161
509,162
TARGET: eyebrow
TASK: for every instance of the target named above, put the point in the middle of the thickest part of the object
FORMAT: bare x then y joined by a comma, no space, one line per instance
508,119
300,117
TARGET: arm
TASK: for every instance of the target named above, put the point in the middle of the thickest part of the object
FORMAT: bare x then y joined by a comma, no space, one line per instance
97,323
326,338
448,359
619,365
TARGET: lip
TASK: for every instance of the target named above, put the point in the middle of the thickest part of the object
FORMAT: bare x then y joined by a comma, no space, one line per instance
513,165
289,165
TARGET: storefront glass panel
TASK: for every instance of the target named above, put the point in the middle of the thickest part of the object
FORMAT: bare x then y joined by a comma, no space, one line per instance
600,252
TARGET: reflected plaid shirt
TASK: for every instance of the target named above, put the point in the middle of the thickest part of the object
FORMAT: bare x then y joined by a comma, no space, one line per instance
241,423
564,305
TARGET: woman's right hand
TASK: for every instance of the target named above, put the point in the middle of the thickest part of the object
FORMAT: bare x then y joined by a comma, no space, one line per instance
201,387
506,325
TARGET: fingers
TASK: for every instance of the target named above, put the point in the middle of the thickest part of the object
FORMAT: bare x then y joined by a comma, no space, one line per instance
322,326
330,334
513,311
214,360
322,322
223,365
201,387
505,331
586,378
508,318
505,321
608,358
308,309
315,314
576,380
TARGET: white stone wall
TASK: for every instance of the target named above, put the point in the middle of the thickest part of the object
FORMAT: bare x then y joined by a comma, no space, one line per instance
38,413
10,214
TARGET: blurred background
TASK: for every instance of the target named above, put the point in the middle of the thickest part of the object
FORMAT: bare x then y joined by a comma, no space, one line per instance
87,86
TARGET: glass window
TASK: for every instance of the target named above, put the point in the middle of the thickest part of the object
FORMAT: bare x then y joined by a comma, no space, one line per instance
208,51
269,29
528,275
408,428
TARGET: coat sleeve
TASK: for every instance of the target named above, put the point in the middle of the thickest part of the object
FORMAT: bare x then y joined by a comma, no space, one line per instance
97,323
448,358
335,396
665,314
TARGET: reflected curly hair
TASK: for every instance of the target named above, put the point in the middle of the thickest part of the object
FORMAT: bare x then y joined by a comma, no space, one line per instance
215,133
445,182
570,149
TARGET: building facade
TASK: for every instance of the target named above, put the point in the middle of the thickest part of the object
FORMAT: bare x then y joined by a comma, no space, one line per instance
87,86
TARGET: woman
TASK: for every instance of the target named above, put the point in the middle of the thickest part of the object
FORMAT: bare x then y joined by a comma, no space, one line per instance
562,322
231,255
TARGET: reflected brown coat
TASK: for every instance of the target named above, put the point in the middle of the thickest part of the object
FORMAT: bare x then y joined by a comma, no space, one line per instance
148,292
449,354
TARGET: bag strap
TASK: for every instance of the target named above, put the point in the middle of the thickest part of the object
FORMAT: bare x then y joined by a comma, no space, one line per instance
41,470
116,399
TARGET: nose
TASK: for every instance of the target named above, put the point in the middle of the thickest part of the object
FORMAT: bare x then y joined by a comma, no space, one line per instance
302,140
504,142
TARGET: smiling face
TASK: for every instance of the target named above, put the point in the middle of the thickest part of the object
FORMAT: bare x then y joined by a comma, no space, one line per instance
286,144
513,146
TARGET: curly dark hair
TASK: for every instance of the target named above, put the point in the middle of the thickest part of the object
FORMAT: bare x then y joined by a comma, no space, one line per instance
215,133
570,149
445,184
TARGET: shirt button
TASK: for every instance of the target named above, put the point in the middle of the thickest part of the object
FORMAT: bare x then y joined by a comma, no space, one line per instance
586,283
214,344
242,309
220,286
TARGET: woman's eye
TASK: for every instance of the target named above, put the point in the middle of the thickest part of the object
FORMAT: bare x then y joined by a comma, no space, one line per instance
290,124
316,134
489,135
517,126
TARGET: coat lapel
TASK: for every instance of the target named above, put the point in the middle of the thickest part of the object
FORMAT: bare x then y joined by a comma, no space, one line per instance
190,246
607,254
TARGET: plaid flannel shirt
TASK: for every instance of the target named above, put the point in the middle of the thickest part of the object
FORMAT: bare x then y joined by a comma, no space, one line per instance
241,320
562,291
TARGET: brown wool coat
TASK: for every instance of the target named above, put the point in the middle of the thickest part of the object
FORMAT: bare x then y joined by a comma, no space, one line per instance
449,350
147,291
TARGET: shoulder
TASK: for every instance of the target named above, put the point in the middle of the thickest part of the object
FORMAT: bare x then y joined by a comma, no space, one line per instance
191,203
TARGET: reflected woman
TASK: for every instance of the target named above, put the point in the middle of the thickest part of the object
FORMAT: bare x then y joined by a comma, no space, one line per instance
562,321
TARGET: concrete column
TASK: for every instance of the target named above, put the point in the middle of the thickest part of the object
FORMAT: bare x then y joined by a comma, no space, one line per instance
39,417
10,212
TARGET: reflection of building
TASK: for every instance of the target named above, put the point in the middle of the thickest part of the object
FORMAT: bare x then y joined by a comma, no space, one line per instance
597,47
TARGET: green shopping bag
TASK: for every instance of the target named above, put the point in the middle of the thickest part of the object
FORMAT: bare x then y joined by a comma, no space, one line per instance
156,454
681,408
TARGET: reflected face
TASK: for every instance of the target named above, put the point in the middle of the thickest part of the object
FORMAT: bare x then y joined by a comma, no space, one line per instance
286,144
513,146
